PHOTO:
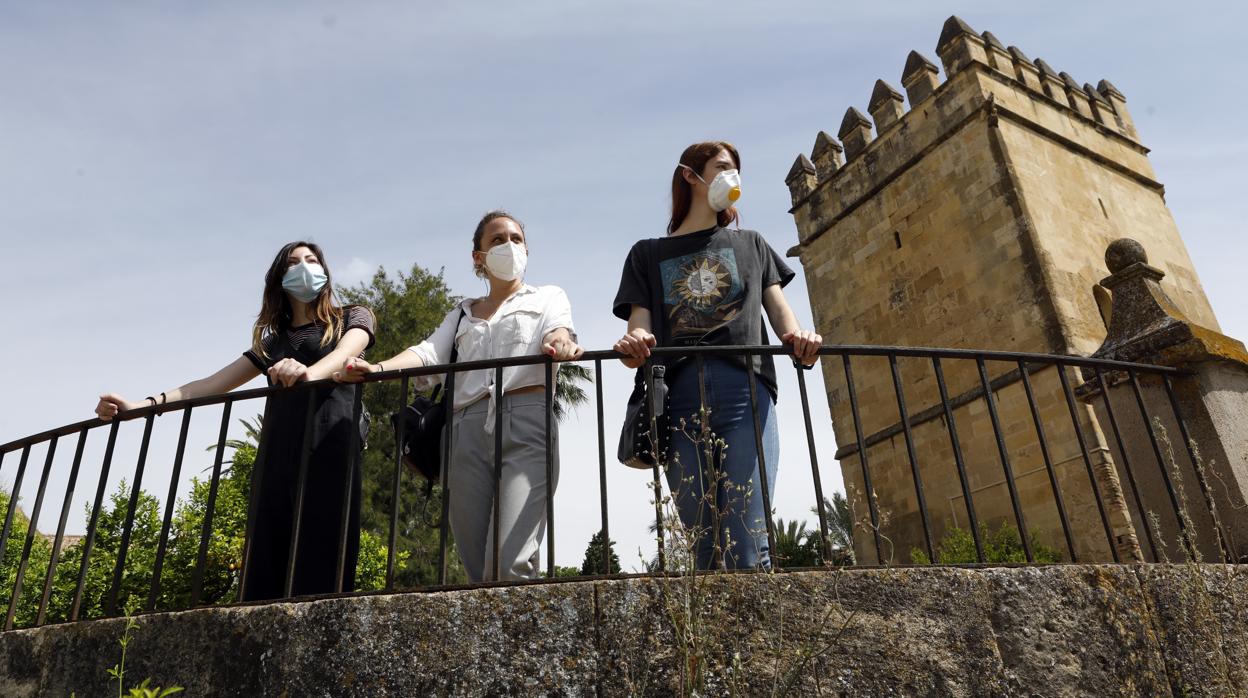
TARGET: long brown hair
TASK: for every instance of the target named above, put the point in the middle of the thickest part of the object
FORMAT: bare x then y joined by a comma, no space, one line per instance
276,313
695,158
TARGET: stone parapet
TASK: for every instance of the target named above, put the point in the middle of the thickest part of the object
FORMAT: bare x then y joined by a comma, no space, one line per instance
1057,630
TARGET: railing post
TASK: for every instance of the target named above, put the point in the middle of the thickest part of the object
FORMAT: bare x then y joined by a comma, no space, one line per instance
197,577
602,470
348,486
761,469
826,546
910,455
400,432
170,504
550,468
89,541
1087,459
136,491
1126,463
448,441
862,459
54,560
31,529
498,476
1024,372
959,461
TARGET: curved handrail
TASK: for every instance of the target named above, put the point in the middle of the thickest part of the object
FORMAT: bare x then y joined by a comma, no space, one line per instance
730,350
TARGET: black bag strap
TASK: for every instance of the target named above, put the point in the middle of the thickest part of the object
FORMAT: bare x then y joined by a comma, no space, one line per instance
454,344
437,389
657,321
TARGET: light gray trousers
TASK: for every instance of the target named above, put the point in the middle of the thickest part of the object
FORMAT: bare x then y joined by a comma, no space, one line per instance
522,488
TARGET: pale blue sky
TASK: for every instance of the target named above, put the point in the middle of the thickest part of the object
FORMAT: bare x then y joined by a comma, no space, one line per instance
153,156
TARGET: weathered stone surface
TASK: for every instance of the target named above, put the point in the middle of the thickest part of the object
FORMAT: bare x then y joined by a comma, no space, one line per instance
1057,630
977,220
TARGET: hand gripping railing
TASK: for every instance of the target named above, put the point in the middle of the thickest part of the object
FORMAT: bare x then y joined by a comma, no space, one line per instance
870,532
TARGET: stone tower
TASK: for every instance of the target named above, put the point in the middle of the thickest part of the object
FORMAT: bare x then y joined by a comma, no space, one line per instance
977,219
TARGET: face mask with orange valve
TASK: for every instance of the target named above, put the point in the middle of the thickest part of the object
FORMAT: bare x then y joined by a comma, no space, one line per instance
723,191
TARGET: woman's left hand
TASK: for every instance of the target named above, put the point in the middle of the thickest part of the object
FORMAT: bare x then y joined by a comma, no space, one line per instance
287,372
560,346
805,344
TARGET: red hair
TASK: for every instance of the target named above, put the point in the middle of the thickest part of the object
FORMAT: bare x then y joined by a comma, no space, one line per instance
695,158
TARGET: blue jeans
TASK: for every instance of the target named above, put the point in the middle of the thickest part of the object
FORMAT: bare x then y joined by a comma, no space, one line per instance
714,477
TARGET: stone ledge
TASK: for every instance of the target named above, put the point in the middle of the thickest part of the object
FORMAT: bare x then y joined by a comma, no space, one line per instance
1057,630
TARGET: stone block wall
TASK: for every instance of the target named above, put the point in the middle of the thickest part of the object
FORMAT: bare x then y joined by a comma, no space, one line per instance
1058,630
976,219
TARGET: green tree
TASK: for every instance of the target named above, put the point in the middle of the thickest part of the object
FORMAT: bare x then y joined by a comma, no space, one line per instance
140,558
567,393
840,528
409,307
796,546
595,553
36,568
1002,545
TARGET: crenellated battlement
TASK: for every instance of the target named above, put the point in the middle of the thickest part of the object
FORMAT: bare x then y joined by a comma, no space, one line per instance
961,50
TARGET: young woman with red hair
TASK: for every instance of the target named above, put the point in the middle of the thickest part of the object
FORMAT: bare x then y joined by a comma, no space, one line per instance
712,284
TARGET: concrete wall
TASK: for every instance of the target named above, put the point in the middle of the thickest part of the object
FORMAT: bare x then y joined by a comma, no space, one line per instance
1057,630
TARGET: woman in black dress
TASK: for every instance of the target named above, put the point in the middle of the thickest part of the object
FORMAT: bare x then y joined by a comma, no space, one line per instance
299,335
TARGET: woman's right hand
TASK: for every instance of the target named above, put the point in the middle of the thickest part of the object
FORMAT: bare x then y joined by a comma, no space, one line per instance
112,403
635,346
354,370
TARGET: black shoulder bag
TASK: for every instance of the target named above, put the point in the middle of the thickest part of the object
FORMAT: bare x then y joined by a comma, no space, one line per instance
647,432
424,422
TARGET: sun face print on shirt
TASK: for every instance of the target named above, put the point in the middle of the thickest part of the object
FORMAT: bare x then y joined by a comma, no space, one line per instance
701,292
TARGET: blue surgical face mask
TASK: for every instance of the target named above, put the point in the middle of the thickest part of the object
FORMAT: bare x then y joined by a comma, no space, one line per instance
304,281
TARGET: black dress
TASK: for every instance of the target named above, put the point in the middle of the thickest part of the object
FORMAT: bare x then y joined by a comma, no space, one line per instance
332,467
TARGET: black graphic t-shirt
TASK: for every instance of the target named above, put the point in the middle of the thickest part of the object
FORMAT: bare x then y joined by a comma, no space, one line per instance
710,284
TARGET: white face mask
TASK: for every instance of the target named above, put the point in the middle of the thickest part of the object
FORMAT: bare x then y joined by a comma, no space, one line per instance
723,191
507,261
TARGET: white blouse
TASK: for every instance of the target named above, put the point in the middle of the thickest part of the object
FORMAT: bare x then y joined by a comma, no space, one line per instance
517,328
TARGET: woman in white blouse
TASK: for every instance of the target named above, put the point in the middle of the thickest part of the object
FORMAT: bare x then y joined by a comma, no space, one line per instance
514,319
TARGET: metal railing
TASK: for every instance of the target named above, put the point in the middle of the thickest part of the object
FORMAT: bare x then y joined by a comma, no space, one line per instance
870,533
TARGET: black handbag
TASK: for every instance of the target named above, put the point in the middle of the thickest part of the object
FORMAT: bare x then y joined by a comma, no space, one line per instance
647,430
424,422
646,434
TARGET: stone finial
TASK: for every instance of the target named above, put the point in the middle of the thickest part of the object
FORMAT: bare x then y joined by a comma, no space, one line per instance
886,105
1052,82
1123,253
919,78
1119,105
827,155
1101,109
959,46
998,55
1075,95
1145,324
801,179
1026,70
855,132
